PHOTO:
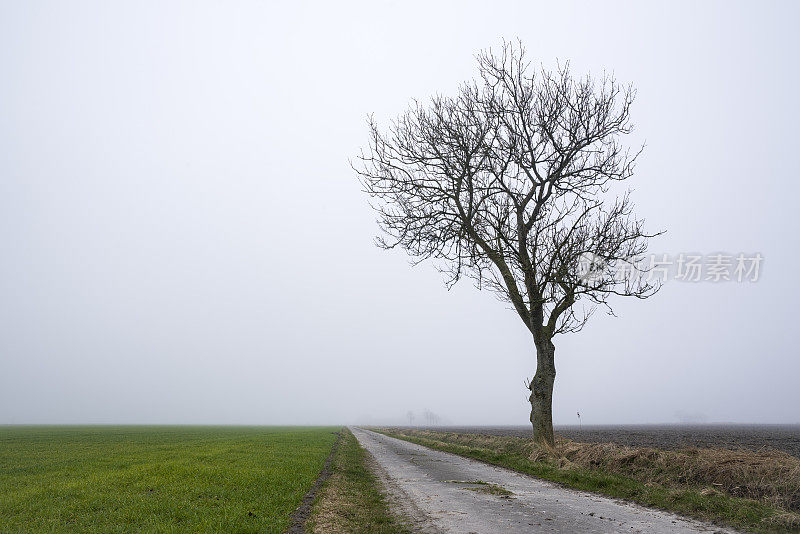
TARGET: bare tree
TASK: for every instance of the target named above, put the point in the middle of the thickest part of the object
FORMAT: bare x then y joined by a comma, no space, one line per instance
508,183
410,416
431,418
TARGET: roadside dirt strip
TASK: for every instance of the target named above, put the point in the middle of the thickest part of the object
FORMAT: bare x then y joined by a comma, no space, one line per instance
442,492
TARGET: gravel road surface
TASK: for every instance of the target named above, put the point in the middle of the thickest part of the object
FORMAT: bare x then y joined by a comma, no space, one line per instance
442,492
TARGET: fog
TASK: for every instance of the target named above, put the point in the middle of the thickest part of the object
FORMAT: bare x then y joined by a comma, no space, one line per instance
182,239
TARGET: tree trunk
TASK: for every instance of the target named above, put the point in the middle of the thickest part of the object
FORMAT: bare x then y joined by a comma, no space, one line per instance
542,394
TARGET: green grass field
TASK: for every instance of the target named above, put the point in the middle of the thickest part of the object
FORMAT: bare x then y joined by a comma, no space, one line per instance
156,479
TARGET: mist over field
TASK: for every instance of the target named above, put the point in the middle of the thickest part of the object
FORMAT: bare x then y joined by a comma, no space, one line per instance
183,240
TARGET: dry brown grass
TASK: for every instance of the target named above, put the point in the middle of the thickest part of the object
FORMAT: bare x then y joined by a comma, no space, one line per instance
330,508
768,476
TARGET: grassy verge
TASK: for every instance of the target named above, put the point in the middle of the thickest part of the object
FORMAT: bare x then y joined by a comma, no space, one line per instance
156,479
683,482
351,500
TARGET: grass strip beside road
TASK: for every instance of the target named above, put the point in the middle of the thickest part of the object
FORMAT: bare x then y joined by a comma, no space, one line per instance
351,501
657,487
156,479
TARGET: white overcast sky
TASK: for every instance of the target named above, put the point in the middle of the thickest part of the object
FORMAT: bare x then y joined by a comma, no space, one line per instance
182,239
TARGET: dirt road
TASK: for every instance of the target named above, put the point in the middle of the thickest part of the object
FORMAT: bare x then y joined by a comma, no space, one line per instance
443,492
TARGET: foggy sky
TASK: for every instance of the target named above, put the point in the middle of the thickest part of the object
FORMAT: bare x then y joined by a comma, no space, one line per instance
182,239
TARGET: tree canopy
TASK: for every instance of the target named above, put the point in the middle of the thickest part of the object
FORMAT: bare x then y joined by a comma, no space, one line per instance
508,183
